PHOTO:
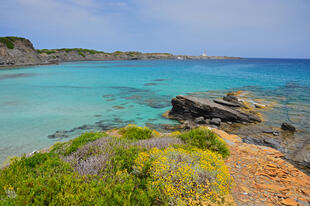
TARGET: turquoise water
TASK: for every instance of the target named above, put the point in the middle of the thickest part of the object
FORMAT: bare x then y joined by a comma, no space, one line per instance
35,102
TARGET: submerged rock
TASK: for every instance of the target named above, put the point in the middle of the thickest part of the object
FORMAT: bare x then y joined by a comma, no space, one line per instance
58,134
189,108
268,142
288,127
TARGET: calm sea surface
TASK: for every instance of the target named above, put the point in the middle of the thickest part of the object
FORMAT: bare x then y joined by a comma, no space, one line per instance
72,98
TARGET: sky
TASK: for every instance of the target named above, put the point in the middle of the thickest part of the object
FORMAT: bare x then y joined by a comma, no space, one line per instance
245,28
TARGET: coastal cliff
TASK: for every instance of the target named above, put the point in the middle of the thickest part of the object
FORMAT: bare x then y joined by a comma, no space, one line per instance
17,51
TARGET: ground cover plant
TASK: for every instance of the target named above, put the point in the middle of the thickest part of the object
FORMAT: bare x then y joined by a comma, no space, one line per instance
136,166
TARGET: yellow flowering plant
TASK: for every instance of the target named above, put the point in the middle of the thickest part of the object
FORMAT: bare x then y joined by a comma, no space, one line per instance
186,177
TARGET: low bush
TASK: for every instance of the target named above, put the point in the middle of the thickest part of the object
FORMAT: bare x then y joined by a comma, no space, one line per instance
82,140
204,138
46,51
110,154
136,133
81,53
185,177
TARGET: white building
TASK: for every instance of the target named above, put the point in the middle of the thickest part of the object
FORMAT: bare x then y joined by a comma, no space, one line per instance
204,54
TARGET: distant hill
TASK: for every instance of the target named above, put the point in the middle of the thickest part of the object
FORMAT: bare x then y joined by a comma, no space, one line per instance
18,51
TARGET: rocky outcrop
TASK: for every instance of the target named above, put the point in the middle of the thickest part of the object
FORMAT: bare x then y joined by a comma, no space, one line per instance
189,108
21,52
262,177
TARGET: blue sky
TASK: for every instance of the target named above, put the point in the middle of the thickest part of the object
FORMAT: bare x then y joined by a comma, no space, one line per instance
247,28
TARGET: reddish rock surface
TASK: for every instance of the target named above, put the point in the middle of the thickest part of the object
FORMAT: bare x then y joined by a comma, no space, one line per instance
262,177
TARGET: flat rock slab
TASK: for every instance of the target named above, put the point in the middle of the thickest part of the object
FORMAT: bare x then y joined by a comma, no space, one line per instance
189,108
226,103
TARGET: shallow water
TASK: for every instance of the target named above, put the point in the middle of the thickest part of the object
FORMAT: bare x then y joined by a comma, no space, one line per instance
35,102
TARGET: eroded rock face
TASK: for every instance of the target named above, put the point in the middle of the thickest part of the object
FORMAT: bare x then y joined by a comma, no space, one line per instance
23,53
189,108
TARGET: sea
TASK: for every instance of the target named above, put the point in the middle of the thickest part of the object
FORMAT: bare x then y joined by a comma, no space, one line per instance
41,105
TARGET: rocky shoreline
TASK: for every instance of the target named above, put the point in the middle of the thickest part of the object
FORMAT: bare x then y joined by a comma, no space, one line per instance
235,115
16,51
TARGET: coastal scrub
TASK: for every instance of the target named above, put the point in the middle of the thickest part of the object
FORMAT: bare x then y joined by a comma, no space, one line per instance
140,167
82,140
185,177
204,138
8,41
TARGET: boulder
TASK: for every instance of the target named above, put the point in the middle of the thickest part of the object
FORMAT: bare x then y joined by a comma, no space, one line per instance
216,121
189,124
200,120
189,108
288,127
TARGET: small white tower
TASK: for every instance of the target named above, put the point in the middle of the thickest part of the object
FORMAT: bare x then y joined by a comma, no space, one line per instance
204,54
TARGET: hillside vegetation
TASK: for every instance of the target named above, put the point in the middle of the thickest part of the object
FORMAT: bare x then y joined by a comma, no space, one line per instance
82,52
8,41
130,166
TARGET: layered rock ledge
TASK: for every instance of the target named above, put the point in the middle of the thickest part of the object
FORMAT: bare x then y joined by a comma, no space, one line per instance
191,108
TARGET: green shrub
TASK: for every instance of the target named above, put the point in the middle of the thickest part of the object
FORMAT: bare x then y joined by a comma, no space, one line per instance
123,159
81,53
136,133
30,180
45,179
204,138
7,42
46,51
82,140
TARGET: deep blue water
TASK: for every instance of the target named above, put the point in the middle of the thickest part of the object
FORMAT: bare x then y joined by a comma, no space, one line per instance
38,101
